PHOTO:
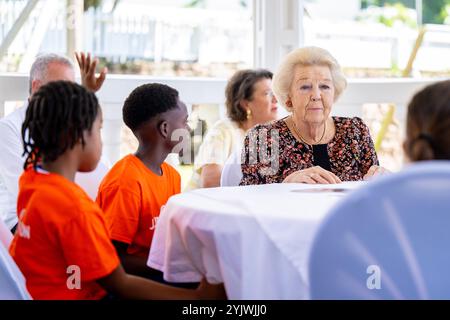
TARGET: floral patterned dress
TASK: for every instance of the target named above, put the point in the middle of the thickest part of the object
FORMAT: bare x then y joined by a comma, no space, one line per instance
271,152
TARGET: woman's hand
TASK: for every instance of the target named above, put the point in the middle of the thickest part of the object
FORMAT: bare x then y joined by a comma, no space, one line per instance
375,171
87,69
207,291
313,175
210,176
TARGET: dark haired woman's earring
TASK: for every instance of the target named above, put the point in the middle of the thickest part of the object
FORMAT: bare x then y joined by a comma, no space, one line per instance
249,114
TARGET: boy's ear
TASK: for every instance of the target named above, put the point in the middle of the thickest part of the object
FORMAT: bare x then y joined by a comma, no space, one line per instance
163,128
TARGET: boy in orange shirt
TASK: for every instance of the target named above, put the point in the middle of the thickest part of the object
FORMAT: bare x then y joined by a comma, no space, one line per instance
62,244
135,189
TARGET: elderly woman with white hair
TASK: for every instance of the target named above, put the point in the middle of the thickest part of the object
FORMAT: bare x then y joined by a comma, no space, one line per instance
309,146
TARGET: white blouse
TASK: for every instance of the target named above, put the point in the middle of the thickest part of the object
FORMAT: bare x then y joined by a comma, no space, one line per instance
224,138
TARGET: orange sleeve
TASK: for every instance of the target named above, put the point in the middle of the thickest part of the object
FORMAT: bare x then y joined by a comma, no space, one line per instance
122,211
86,244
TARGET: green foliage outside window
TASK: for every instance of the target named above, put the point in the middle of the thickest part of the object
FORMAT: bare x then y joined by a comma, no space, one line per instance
434,11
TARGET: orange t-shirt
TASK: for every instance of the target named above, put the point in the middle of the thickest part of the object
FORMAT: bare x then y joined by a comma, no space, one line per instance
131,197
62,244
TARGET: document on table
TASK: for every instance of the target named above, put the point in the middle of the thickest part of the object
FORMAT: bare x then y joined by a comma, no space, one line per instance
340,188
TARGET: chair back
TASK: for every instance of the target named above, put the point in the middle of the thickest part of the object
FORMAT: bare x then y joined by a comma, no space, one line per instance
387,240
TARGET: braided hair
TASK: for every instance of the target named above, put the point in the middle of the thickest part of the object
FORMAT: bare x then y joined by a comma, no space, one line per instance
57,115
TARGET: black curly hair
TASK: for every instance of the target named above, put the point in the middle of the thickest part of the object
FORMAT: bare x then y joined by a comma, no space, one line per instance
147,101
57,115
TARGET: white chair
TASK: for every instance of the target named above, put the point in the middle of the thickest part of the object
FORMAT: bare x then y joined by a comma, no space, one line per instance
5,235
387,240
231,171
12,282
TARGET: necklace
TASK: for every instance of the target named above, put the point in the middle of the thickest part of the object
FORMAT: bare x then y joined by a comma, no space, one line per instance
303,139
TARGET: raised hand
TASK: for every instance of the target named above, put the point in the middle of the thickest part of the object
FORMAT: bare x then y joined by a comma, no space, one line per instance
87,70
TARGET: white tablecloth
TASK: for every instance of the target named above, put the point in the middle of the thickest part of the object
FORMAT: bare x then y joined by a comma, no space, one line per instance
254,239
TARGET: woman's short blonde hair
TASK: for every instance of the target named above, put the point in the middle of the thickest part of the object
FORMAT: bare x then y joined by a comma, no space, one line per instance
307,56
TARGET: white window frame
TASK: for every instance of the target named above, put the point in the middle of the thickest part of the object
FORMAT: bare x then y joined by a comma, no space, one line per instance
277,29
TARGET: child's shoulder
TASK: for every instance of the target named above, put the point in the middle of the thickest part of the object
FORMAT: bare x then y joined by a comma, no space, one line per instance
125,173
55,194
124,169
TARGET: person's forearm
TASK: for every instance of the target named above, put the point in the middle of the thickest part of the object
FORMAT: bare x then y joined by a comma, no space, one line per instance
126,286
210,176
137,266
141,289
213,182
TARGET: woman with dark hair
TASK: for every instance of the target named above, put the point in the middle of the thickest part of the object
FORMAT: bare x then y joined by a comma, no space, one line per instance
249,101
428,124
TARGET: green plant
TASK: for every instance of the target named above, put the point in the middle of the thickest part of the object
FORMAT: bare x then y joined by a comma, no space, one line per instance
401,16
395,71
97,3
433,11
